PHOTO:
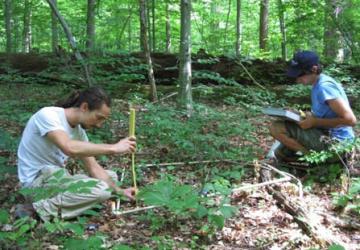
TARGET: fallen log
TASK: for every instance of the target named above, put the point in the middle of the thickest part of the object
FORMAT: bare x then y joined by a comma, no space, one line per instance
342,222
302,217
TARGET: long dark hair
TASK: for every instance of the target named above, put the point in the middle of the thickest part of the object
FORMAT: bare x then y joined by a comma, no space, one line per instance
95,97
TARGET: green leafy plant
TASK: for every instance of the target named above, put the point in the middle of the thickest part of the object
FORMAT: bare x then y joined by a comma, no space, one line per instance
93,243
297,90
19,234
184,202
350,200
205,76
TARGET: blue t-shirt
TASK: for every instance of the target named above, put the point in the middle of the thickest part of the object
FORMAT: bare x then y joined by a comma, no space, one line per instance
328,89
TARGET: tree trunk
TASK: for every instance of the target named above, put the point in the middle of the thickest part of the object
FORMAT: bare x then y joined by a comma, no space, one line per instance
8,24
17,40
214,26
54,30
148,25
264,16
185,93
331,36
167,28
71,40
143,25
130,31
90,30
238,28
282,30
226,25
27,27
145,45
153,25
122,30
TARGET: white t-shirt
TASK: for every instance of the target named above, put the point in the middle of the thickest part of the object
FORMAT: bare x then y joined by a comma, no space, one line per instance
36,150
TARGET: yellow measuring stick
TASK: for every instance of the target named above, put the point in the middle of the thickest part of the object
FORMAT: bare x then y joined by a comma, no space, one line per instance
132,133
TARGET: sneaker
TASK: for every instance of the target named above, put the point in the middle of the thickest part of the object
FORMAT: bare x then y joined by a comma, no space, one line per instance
25,210
354,172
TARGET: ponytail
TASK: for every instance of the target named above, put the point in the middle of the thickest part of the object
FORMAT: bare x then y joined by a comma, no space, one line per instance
95,97
70,101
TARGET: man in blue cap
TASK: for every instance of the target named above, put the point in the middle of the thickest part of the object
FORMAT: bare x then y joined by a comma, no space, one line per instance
331,113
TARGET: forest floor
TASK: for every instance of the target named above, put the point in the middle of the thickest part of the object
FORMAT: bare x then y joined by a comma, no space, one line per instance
227,125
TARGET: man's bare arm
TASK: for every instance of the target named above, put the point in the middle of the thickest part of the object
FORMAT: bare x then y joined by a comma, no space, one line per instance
98,172
345,117
75,148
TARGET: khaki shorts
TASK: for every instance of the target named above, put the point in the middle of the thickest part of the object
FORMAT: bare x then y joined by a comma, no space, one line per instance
309,138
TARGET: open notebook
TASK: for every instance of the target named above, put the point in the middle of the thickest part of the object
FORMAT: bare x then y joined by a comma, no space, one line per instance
279,112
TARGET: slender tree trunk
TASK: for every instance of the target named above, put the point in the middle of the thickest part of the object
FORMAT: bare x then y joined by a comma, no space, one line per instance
264,16
17,39
90,30
148,25
145,45
153,25
185,93
214,26
226,25
347,36
331,36
130,36
27,27
8,24
129,29
54,30
71,40
238,27
167,28
122,30
143,23
282,30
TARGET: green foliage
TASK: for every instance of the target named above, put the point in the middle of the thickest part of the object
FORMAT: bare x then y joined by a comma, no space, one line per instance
213,60
164,242
178,199
117,26
4,217
350,200
93,243
156,221
297,90
205,76
336,247
252,99
184,202
204,136
19,234
336,150
7,141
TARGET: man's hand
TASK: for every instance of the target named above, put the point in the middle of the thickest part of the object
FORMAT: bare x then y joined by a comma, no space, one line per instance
124,146
128,192
308,122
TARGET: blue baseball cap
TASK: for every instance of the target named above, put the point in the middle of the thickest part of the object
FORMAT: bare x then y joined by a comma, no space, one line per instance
301,62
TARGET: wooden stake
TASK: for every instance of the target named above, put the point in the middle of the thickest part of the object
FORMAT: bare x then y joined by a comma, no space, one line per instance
137,210
132,133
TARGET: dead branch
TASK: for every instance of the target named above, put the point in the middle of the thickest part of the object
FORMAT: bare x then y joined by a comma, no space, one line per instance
285,179
187,163
268,166
136,210
247,72
342,222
